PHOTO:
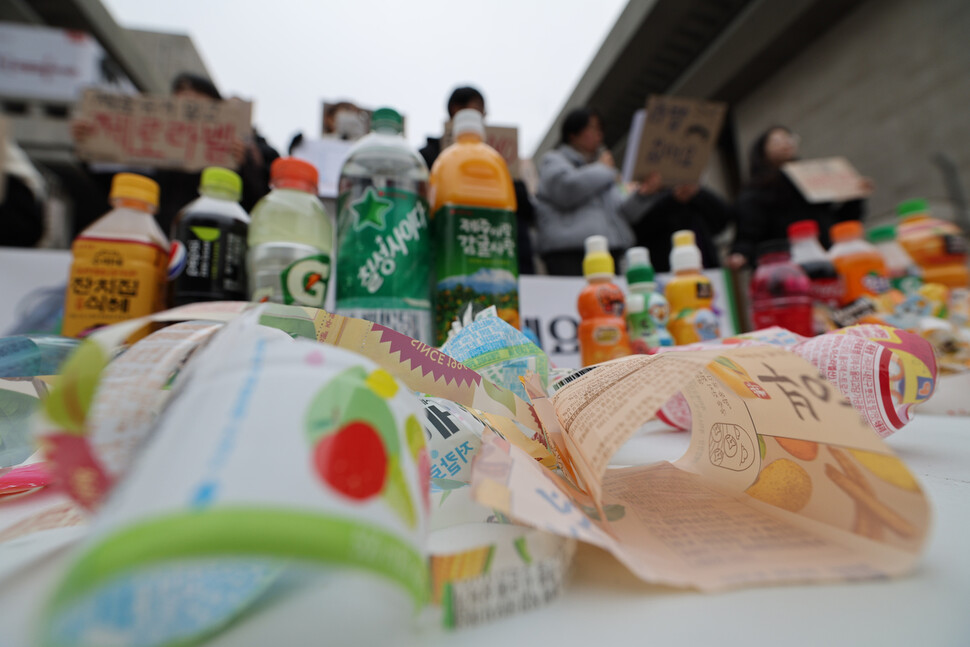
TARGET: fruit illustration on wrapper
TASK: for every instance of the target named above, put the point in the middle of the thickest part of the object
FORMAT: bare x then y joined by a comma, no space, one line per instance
356,446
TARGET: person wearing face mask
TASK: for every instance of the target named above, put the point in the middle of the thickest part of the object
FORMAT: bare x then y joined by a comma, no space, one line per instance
769,202
580,196
343,120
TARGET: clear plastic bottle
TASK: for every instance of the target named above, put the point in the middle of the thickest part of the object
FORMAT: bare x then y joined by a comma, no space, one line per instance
120,265
602,329
826,284
290,239
859,264
904,274
475,228
780,291
690,294
211,233
383,242
937,246
647,311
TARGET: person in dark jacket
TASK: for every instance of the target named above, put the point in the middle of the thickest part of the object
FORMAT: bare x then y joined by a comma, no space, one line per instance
22,201
770,201
688,206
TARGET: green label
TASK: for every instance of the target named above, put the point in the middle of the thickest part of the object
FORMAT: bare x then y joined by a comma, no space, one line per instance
476,261
383,249
305,281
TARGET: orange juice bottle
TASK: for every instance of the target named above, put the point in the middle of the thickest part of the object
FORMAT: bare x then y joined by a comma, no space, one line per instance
690,294
937,246
858,262
473,227
120,264
602,328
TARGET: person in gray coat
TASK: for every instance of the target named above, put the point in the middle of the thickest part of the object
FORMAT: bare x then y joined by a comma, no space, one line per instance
579,196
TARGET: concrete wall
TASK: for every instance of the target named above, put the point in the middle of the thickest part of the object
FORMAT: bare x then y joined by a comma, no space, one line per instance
888,87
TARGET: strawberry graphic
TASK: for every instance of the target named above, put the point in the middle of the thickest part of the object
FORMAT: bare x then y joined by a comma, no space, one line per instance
355,440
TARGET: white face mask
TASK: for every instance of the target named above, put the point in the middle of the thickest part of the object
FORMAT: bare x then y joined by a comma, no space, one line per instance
349,125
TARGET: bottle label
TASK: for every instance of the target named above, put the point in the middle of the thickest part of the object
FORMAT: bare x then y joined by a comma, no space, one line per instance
215,260
305,281
693,325
384,258
704,290
476,262
642,331
112,281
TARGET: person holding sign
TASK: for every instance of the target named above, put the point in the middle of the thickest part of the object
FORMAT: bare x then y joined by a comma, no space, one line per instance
579,196
770,201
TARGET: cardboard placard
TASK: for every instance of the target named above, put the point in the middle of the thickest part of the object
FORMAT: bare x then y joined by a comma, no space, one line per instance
678,137
829,179
504,139
162,132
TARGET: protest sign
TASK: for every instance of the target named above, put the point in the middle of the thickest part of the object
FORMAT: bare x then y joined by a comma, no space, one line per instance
163,132
830,179
677,139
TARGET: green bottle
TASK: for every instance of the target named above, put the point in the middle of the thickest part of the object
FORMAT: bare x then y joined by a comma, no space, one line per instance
383,242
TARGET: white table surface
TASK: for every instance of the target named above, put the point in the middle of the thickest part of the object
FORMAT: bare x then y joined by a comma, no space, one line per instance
604,604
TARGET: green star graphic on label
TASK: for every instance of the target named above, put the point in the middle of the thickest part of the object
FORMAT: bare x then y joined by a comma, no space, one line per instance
370,210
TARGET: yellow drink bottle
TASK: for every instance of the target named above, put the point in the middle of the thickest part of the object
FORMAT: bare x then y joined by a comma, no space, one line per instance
689,294
120,264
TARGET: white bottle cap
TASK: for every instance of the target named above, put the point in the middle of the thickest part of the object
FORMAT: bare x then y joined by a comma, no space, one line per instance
468,121
685,254
596,244
637,257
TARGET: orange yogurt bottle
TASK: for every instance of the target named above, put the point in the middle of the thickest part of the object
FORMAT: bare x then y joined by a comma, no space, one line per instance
858,262
602,328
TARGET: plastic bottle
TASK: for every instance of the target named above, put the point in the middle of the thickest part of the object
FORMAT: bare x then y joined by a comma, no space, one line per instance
647,311
602,329
474,227
120,265
290,239
937,246
859,264
383,242
780,291
904,274
826,284
689,294
212,231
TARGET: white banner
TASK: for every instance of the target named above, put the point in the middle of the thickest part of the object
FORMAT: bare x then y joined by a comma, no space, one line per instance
45,63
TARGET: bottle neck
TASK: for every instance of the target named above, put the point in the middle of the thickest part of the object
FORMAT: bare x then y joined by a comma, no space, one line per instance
295,184
469,137
122,202
774,257
219,194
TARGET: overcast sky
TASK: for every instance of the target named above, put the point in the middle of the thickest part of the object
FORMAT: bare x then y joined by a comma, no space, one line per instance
526,56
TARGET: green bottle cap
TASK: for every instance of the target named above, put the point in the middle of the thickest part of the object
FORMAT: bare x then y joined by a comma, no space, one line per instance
638,268
881,233
220,179
911,207
387,119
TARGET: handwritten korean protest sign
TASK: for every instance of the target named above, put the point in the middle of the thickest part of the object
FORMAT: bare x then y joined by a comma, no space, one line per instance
163,132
